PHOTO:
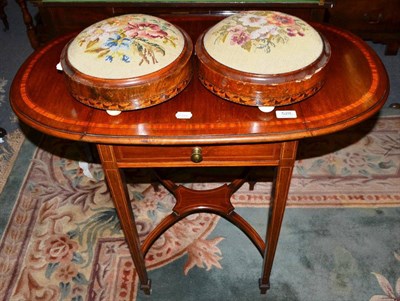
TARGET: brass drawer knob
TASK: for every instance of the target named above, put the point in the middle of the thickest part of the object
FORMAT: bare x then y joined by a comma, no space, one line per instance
197,155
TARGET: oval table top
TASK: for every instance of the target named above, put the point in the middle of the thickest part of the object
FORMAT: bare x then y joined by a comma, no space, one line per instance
357,87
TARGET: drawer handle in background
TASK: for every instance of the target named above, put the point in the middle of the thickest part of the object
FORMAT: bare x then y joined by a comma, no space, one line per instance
197,155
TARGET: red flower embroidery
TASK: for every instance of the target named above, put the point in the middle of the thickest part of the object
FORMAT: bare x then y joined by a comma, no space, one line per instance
281,19
145,30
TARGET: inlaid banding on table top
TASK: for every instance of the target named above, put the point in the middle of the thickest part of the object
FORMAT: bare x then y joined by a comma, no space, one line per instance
375,78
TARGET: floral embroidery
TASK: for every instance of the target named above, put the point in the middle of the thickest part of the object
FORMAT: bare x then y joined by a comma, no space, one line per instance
128,39
260,30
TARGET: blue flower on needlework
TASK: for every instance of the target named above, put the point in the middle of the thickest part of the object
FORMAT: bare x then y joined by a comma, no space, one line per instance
126,59
117,44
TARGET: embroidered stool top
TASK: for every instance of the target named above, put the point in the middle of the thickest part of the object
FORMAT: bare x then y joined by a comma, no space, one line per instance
130,61
262,58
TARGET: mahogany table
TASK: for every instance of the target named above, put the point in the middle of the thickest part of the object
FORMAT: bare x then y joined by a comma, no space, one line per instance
219,134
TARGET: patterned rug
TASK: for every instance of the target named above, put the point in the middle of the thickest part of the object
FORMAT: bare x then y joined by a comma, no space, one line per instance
11,143
63,240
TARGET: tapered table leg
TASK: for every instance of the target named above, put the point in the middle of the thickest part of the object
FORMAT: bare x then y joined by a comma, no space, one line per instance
119,194
278,203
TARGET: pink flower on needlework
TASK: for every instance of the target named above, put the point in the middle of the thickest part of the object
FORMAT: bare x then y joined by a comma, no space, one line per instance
59,248
239,35
145,30
294,31
281,19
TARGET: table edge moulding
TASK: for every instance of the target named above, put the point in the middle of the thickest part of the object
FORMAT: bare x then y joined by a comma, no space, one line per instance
219,133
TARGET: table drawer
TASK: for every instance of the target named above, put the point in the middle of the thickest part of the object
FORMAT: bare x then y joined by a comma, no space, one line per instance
202,155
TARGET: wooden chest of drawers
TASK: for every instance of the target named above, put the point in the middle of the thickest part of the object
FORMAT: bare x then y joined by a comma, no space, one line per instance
376,20
59,17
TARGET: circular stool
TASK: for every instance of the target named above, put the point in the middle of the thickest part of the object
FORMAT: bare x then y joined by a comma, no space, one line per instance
262,58
127,62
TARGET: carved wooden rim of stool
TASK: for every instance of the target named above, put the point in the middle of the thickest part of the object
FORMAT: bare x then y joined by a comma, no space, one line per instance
130,93
261,89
